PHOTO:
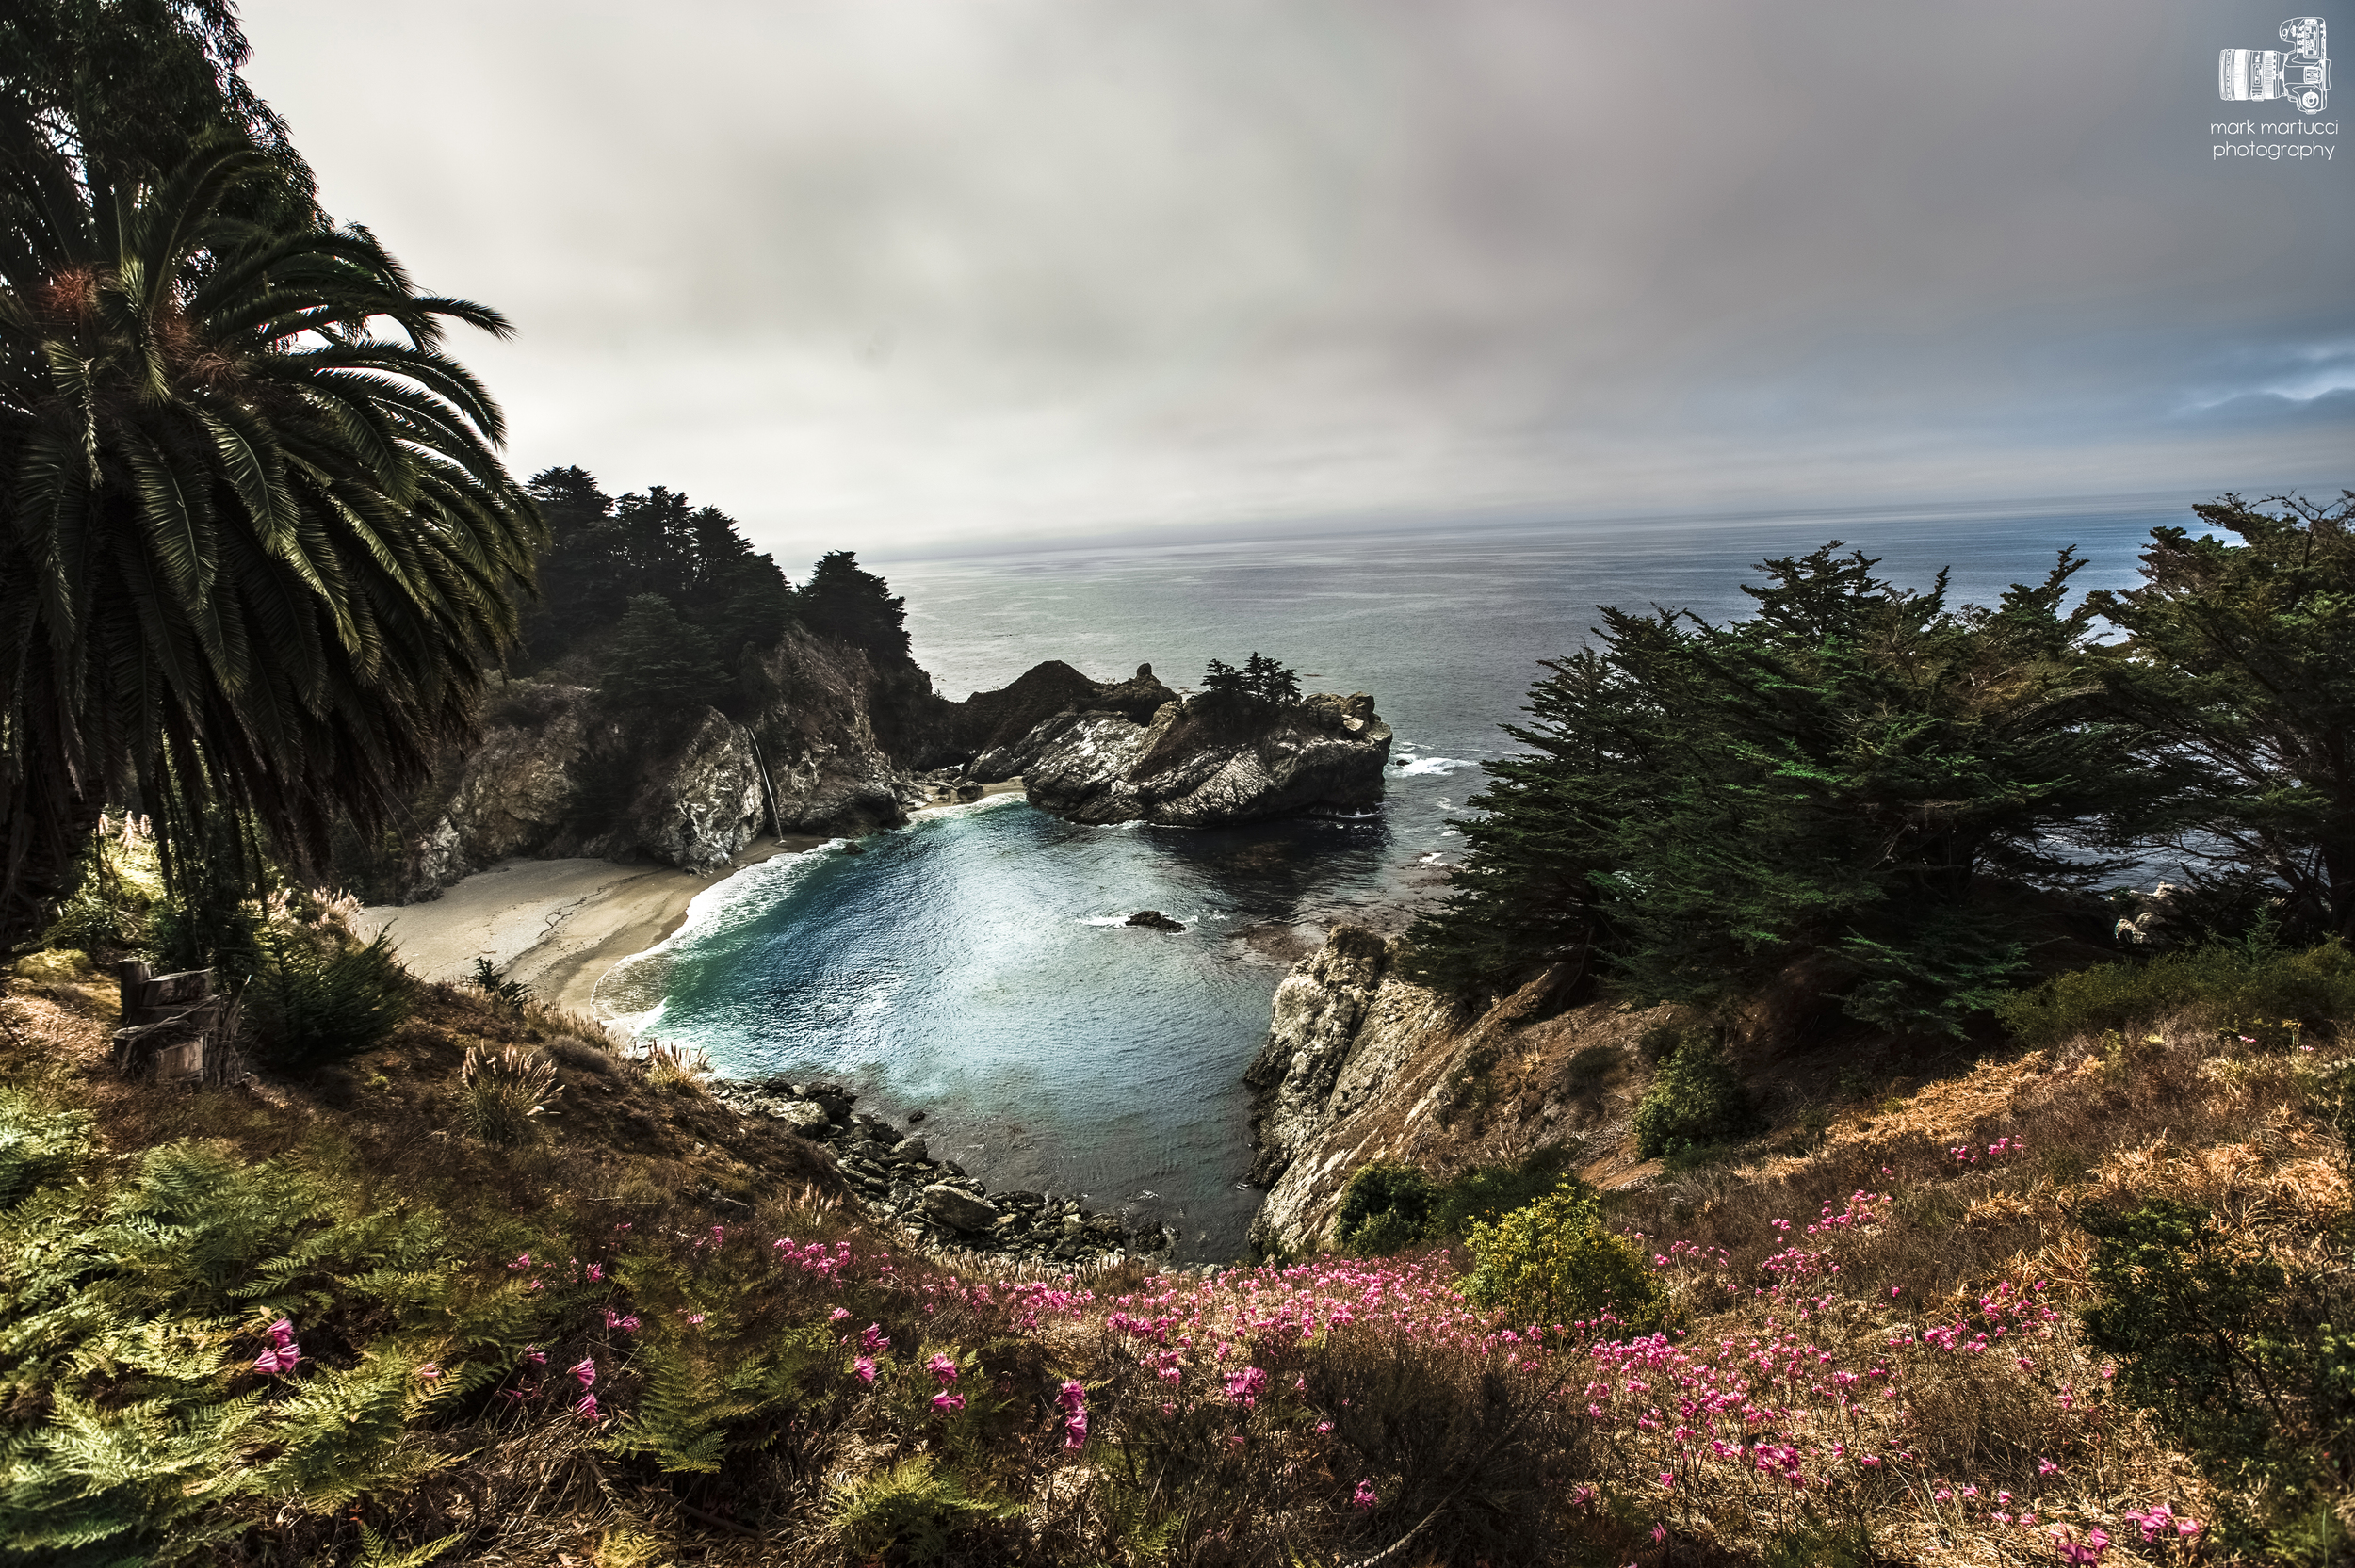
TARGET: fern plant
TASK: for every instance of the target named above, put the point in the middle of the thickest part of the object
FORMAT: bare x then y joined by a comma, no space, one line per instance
131,1315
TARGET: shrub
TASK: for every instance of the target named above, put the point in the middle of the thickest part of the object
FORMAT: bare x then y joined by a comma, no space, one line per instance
1486,1191
312,1007
2223,981
2236,1356
505,996
1696,1101
680,1068
135,1308
1384,1208
1553,1261
503,1091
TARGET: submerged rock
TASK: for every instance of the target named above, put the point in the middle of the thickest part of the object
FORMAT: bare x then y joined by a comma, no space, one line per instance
1155,920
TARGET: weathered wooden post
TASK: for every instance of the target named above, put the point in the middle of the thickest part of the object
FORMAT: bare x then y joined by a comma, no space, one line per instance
167,1021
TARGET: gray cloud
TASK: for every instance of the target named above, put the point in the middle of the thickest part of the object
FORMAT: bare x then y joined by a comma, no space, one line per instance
911,273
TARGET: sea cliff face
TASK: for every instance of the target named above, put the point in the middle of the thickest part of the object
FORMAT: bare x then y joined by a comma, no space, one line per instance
1363,1063
838,743
554,774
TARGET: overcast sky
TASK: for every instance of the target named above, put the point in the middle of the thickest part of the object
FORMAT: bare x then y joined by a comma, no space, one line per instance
908,275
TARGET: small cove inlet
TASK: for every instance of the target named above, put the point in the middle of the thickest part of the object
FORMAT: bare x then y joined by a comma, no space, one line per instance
975,964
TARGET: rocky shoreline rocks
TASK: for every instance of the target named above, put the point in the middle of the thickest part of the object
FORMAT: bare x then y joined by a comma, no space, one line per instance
843,745
936,1202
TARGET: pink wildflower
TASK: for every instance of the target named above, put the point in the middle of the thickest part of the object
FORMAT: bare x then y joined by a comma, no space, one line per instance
946,1402
941,1367
871,1340
431,1371
587,1409
838,1314
283,1353
1365,1496
586,1371
863,1367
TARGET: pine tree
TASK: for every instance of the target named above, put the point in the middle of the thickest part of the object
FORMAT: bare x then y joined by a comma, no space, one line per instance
854,606
2239,674
1827,781
659,662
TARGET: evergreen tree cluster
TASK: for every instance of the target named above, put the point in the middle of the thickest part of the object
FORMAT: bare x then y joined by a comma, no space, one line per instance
1859,783
672,601
1260,683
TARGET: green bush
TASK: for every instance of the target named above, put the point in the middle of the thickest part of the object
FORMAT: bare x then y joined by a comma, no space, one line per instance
2236,1356
2253,979
311,1007
1384,1208
1486,1191
1553,1261
1694,1102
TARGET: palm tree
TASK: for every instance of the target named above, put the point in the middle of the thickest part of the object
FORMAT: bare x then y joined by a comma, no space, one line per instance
257,551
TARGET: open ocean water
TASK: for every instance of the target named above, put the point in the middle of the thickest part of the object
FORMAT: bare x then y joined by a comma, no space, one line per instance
973,965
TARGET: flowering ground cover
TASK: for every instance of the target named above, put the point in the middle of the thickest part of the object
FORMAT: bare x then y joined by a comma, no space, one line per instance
249,1347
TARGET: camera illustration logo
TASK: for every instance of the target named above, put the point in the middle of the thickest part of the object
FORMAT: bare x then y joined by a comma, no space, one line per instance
2299,75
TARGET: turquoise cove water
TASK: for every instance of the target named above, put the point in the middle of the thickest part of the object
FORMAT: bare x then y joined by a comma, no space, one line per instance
973,965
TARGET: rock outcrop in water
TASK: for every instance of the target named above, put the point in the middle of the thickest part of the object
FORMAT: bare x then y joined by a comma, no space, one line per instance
839,743
1200,762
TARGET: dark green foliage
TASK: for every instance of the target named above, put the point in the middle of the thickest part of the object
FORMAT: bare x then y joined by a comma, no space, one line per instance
1388,1207
1552,1261
261,553
854,606
2250,981
1384,1209
605,554
657,663
309,1008
2244,1362
212,918
1696,1101
2239,670
131,84
1486,1191
1261,683
505,996
1829,781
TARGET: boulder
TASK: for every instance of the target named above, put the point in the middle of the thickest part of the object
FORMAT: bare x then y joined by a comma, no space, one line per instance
910,1151
804,1116
1154,919
960,1210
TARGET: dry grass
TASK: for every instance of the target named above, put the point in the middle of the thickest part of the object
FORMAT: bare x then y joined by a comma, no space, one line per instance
1445,1432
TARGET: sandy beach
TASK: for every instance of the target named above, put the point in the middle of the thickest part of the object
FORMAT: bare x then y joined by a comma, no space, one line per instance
559,925
556,924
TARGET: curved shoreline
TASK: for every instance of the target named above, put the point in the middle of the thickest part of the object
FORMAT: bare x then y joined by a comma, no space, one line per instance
560,925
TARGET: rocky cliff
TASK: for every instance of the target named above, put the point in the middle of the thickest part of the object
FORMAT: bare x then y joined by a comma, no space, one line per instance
556,774
1362,1064
833,742
1199,762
